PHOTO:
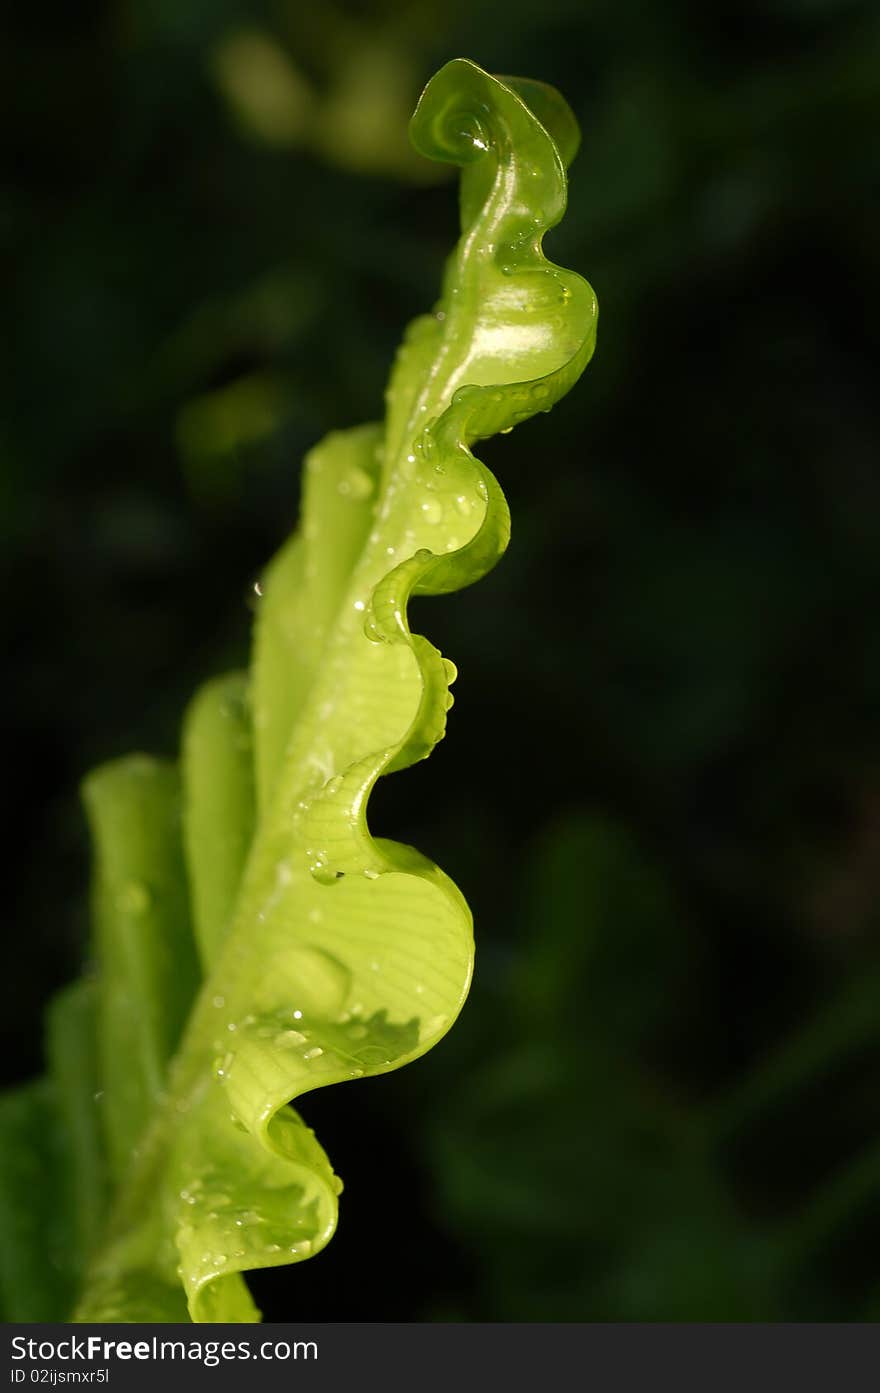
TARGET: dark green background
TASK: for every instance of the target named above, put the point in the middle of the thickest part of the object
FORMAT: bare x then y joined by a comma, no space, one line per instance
661,787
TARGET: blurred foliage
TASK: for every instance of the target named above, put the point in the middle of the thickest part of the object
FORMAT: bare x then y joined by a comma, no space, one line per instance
661,1101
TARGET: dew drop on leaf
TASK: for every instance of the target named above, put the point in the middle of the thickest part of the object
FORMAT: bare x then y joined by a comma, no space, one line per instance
134,898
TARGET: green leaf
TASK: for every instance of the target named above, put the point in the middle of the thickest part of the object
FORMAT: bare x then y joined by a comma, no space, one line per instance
345,955
143,941
304,586
218,814
72,1053
36,1268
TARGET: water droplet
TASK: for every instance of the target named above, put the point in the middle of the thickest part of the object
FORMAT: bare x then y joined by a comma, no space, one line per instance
133,898
358,484
372,630
432,511
289,1038
313,1053
222,1065
321,872
218,1001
